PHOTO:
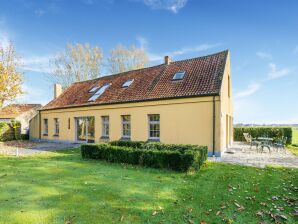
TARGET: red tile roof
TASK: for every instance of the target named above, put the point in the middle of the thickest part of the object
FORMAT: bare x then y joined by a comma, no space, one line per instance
14,110
203,77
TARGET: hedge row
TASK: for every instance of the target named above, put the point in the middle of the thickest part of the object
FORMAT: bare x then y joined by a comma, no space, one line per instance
271,132
10,131
153,157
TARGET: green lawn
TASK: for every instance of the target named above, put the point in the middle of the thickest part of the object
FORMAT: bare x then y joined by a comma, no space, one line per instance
62,188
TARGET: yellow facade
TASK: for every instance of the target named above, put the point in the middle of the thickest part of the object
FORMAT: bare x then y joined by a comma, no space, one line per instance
182,121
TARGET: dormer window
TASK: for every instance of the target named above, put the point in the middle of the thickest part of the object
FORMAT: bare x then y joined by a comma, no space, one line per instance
179,75
127,83
99,92
93,89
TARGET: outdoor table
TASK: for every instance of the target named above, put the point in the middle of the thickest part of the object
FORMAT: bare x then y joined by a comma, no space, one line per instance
265,142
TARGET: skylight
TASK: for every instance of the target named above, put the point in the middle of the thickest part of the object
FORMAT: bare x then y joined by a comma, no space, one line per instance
99,92
179,75
93,89
127,83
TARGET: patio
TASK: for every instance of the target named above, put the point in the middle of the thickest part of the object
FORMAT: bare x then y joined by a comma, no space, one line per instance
32,147
240,153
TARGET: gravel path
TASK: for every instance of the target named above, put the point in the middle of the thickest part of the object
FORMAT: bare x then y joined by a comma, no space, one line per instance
29,147
243,155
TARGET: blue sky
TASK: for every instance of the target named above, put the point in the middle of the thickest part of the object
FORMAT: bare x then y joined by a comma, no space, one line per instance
262,36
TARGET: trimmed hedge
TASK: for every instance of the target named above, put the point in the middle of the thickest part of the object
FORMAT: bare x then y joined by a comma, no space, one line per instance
271,132
10,131
177,160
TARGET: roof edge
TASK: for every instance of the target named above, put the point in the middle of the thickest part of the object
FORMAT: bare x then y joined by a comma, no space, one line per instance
132,101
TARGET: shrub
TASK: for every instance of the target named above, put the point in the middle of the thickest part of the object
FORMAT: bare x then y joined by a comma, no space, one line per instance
132,144
10,131
272,132
177,160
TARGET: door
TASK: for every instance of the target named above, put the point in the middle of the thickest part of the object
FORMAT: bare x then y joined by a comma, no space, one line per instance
85,129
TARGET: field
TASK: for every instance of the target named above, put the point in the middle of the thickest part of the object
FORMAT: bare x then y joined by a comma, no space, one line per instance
60,187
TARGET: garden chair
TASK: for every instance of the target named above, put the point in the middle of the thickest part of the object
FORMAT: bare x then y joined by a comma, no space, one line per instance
251,141
280,144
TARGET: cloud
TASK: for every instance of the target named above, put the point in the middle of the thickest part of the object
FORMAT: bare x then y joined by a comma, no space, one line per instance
142,42
39,12
296,50
264,55
33,94
251,89
276,73
182,51
170,5
37,63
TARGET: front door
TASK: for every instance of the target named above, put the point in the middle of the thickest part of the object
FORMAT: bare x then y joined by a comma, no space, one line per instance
85,129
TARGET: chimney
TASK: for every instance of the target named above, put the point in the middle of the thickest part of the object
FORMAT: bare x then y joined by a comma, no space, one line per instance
168,60
57,90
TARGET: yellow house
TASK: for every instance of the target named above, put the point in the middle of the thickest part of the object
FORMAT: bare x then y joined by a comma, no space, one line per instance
180,102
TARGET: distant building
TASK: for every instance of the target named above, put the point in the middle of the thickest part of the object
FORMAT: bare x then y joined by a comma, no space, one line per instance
19,112
177,102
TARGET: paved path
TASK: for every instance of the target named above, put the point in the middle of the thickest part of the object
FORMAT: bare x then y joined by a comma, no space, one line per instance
30,148
243,155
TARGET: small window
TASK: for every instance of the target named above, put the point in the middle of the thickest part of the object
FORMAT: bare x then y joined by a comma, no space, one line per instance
127,83
99,92
56,126
126,127
93,89
68,123
105,126
154,126
179,75
45,127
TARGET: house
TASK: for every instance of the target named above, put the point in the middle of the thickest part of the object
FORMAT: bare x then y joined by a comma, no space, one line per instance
19,112
179,102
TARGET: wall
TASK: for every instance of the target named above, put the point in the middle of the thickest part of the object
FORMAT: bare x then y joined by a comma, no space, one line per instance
182,121
34,128
226,112
24,118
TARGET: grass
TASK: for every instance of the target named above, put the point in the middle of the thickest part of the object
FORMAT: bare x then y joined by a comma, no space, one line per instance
60,187
295,135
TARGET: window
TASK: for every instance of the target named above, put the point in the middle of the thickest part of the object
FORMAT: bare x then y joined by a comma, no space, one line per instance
68,123
178,75
56,126
127,83
99,92
154,126
45,127
105,126
126,127
93,89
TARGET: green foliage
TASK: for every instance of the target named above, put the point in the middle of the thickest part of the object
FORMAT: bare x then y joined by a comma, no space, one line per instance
156,155
271,132
10,131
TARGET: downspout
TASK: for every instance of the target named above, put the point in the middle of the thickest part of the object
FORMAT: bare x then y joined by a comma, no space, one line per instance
213,130
39,121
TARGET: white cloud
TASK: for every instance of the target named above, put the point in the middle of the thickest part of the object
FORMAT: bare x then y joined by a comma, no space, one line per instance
296,50
182,51
37,63
264,55
142,42
39,12
33,94
171,5
276,73
251,89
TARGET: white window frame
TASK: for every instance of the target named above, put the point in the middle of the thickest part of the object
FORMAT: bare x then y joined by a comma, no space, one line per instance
124,122
105,120
152,123
56,127
45,126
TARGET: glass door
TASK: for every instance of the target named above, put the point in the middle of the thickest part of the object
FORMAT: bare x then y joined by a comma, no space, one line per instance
85,129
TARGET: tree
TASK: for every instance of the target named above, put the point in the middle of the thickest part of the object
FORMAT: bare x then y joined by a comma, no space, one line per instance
78,62
124,59
11,79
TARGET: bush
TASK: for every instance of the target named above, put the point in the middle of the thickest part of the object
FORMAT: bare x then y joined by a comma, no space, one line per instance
178,160
132,144
271,132
10,131
24,136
